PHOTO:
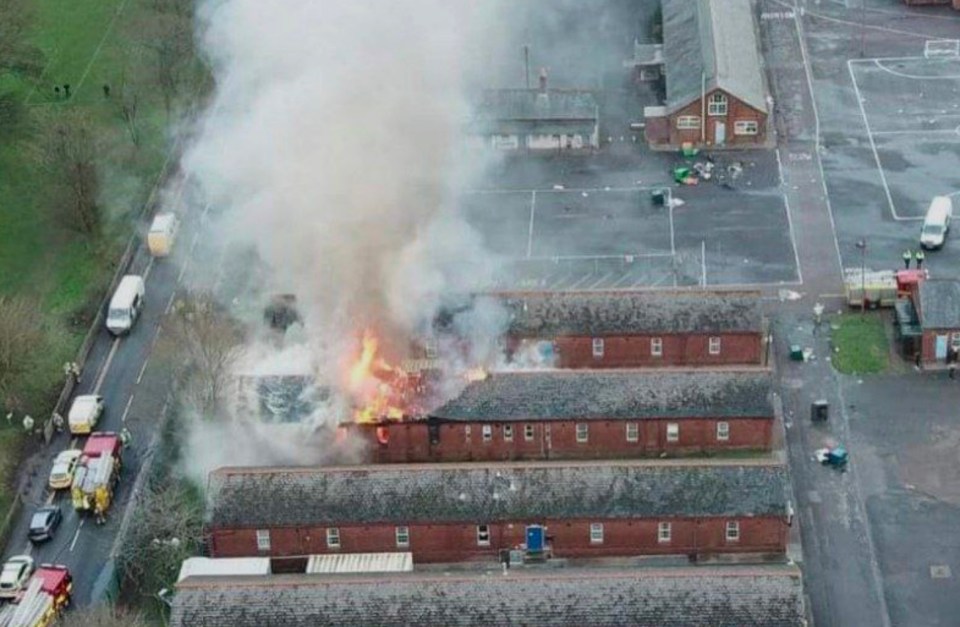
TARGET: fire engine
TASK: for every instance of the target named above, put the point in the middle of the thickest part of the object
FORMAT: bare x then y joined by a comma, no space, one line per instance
42,601
97,473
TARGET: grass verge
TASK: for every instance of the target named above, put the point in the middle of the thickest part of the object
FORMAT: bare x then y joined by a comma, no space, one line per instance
860,344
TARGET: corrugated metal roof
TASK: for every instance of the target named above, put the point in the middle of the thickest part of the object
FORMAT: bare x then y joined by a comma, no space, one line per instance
716,39
223,566
360,563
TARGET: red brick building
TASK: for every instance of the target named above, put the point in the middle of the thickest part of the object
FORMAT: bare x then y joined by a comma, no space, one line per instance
767,595
556,414
716,92
454,513
637,329
932,326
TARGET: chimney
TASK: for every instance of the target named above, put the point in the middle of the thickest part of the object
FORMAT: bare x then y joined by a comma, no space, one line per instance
543,80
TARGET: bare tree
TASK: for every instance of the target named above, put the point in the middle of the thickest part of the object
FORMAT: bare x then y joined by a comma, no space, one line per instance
167,529
17,53
167,32
21,337
128,107
102,616
209,342
68,149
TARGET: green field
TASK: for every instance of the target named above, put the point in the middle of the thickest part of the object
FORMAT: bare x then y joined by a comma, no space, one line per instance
860,344
86,44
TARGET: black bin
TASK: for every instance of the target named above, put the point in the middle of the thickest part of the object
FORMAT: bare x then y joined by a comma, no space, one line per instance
819,411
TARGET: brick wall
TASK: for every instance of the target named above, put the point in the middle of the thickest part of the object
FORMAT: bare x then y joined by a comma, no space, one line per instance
567,538
928,345
736,111
606,439
631,351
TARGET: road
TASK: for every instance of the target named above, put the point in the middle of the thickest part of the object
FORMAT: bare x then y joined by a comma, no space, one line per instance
134,392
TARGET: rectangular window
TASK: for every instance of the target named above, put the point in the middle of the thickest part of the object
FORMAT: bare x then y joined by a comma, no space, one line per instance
714,345
717,104
656,346
745,127
528,433
663,532
466,433
955,340
633,432
583,432
598,347
733,531
487,433
673,431
596,533
263,539
333,538
723,431
688,122
483,535
508,433
403,537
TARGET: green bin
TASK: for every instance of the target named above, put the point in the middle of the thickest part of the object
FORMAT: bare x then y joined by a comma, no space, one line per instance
796,352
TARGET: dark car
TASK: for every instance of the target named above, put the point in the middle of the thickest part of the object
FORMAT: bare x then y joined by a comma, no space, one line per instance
44,523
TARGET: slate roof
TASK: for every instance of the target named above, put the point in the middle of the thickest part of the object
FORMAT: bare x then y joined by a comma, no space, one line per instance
753,596
481,493
940,304
530,110
715,37
611,395
553,314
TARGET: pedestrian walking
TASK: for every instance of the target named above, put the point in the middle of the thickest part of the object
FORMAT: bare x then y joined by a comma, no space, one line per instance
66,91
919,257
28,423
58,422
75,370
106,90
125,437
56,92
907,255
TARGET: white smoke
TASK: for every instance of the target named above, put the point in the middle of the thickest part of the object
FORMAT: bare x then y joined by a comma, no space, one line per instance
334,146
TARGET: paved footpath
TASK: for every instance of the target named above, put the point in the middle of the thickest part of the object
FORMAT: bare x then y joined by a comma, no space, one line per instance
843,581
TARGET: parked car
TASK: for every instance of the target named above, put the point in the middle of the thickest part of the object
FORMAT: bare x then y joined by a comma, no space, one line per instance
61,475
44,523
14,575
936,224
84,413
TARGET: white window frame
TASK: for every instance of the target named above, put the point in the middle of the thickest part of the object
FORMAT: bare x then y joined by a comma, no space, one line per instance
508,433
583,432
333,537
487,431
402,535
732,531
664,533
688,122
597,346
723,431
633,432
528,432
263,539
717,104
955,339
656,347
715,344
483,535
673,432
467,433
596,533
746,127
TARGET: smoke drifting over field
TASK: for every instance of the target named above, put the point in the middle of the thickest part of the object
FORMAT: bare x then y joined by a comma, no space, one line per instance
333,145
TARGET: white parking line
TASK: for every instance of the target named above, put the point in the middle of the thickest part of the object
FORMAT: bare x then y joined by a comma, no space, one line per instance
106,365
601,257
77,534
533,211
579,281
146,272
169,304
183,269
127,409
793,239
626,275
600,280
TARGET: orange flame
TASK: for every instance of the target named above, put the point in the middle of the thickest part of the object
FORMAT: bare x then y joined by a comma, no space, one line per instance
374,385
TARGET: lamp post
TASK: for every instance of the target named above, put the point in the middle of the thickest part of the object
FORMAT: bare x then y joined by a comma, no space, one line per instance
862,245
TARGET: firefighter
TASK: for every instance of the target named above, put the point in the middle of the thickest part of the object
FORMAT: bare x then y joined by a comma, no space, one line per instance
28,423
58,422
125,437
919,257
907,256
100,502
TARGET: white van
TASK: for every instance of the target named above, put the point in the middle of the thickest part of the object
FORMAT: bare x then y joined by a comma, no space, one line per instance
937,223
126,304
85,413
162,232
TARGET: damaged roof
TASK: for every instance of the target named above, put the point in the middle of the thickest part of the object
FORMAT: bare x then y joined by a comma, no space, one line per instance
767,596
940,304
553,314
715,40
481,493
611,395
511,111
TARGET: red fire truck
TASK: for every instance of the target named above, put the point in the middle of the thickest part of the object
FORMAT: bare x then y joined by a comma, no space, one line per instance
42,601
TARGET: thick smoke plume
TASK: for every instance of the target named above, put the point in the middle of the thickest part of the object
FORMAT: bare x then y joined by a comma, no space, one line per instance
334,146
